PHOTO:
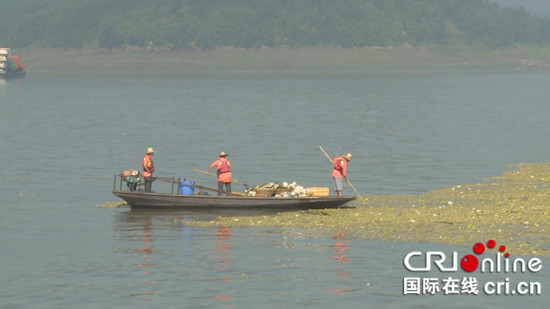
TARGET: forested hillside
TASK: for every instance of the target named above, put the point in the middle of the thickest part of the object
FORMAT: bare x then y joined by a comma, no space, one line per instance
208,24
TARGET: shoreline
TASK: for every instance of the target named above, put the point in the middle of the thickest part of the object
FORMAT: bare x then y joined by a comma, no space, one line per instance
510,209
289,61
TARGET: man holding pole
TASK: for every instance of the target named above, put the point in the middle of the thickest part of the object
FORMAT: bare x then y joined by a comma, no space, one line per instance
339,173
224,173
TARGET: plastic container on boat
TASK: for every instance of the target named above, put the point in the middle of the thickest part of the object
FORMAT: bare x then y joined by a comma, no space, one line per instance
187,187
317,191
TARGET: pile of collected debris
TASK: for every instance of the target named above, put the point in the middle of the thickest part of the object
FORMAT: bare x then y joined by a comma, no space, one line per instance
274,189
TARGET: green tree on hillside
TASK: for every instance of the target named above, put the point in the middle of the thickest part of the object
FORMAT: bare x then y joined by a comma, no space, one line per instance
208,24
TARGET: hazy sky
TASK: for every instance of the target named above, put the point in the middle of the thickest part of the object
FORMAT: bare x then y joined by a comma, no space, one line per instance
538,7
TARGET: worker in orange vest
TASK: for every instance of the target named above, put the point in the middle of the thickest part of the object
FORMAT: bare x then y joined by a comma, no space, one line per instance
339,173
148,168
224,173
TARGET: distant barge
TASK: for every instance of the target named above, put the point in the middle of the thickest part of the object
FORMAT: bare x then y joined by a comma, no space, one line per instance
10,66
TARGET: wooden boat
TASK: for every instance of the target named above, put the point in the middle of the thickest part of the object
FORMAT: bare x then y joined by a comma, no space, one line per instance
172,200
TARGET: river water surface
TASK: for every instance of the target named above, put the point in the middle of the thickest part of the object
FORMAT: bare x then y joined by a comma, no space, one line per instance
63,137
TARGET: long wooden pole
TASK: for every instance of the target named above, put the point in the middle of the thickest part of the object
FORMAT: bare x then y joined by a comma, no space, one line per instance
348,181
216,190
208,173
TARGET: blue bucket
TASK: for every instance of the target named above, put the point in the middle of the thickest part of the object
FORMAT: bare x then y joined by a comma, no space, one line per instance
187,187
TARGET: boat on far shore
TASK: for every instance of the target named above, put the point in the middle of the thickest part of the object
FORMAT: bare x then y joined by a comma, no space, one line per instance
10,66
181,198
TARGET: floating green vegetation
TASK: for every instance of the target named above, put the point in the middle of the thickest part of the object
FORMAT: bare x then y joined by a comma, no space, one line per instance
111,204
511,209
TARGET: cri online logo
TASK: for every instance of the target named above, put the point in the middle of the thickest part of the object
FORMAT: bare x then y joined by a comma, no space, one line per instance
470,262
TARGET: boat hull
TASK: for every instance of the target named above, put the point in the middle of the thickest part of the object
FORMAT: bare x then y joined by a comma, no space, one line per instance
13,75
173,201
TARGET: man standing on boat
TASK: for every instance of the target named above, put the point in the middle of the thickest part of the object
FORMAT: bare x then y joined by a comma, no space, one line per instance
148,168
340,172
224,173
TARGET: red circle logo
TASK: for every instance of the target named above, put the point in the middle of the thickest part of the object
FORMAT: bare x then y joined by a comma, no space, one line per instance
469,263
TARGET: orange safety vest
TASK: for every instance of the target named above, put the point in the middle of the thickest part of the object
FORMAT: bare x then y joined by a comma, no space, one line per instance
340,167
224,169
224,165
147,163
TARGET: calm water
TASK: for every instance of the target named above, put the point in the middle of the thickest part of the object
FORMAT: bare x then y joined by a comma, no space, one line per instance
63,137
